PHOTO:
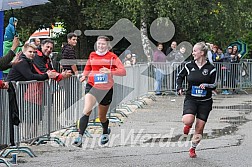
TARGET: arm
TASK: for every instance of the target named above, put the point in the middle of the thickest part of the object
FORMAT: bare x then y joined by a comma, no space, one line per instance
5,61
210,57
24,69
119,69
180,78
212,85
87,68
75,70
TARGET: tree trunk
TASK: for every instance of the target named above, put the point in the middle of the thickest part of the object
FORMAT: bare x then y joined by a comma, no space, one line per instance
145,41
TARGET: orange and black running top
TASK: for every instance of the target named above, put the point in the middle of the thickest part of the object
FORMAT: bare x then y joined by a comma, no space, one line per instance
96,62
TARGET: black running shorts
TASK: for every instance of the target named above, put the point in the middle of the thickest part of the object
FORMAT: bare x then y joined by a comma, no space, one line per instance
103,97
200,109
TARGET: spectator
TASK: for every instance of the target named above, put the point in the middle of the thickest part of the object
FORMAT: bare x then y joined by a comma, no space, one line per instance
171,51
42,62
159,58
220,54
10,33
234,70
37,42
179,55
214,53
225,71
128,60
227,55
10,30
68,52
235,56
171,48
134,59
209,52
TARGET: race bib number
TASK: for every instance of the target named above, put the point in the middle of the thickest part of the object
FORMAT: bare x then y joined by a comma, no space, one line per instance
100,78
198,92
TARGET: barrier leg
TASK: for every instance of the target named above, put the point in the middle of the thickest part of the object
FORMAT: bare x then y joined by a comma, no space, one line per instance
69,131
139,105
152,97
121,112
44,139
126,107
115,119
26,150
5,162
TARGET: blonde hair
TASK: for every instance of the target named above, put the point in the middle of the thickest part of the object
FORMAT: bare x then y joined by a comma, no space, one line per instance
203,47
28,45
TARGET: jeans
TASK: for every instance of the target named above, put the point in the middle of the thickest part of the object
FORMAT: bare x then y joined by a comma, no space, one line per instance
159,76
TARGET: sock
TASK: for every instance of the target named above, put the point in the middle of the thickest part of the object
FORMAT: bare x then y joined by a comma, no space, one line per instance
194,145
83,124
105,127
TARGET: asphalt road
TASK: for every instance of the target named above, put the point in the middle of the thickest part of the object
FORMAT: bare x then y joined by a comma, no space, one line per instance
151,136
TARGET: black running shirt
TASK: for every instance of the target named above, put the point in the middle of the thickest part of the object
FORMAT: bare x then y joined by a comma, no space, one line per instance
195,76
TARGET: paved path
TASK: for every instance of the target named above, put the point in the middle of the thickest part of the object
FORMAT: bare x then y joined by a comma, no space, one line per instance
151,137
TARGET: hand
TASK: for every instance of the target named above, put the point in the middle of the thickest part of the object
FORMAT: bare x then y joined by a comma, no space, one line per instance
76,73
15,43
16,59
180,92
66,74
52,74
83,78
202,86
5,85
104,70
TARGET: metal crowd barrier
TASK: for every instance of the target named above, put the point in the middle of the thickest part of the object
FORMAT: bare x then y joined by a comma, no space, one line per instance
4,123
230,76
129,89
4,117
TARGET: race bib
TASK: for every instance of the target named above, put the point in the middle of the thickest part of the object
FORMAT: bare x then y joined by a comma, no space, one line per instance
100,78
198,92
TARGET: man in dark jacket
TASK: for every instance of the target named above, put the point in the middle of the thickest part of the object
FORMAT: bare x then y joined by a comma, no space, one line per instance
42,62
170,52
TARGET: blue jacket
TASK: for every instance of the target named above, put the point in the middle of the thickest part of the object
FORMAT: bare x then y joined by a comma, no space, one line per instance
10,30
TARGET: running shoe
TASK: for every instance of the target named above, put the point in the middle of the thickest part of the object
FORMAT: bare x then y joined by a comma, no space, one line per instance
105,137
192,153
78,142
187,129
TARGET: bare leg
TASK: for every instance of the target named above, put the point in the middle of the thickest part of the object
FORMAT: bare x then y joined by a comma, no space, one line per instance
188,120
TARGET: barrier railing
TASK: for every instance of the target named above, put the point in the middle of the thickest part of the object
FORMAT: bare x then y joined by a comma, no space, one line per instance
230,76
